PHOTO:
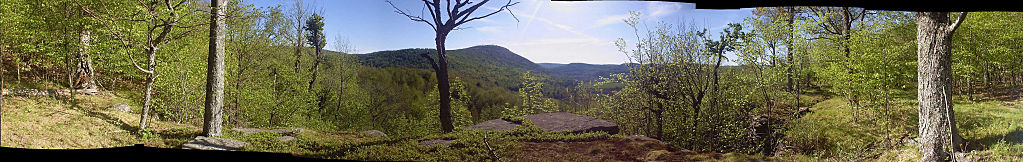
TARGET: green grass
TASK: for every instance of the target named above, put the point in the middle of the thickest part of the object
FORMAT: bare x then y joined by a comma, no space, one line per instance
835,131
51,123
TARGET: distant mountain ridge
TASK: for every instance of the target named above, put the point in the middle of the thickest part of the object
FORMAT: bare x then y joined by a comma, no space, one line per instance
488,63
583,71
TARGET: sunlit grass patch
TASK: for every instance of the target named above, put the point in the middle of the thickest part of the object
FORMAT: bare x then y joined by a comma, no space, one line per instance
49,123
833,130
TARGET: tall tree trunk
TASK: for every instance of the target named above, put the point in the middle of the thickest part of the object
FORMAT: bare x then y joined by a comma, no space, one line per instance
85,74
316,64
2,54
184,95
147,101
212,117
790,46
937,119
443,86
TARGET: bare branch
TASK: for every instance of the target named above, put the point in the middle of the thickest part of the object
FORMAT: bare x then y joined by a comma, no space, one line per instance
115,30
465,15
959,20
432,62
413,18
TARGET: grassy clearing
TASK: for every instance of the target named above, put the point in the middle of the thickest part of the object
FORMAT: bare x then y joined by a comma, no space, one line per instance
51,123
833,130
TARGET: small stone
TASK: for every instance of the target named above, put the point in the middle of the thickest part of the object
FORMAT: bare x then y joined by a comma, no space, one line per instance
374,133
120,107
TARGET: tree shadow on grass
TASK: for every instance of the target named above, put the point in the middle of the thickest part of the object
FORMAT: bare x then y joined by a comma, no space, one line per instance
1014,137
973,120
176,137
113,121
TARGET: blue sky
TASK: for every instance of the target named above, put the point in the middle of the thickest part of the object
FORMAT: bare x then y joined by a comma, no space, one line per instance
547,32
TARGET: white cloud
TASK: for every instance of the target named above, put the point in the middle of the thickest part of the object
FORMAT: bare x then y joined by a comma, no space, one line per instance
658,9
611,20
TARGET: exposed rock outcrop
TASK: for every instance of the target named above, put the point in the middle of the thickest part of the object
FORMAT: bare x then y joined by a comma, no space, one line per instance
374,133
441,142
559,121
213,143
494,125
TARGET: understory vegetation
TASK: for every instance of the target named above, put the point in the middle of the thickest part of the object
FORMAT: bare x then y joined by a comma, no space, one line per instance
805,83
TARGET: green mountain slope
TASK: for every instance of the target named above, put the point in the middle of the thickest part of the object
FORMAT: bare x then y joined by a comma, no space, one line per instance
487,63
584,72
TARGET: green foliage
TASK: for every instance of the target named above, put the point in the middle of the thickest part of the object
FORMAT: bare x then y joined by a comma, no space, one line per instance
314,27
533,101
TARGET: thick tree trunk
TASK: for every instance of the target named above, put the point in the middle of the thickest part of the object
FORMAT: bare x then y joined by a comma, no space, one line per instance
85,74
937,119
443,86
213,116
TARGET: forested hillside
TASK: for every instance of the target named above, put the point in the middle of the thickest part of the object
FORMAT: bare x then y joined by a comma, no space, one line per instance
584,72
485,63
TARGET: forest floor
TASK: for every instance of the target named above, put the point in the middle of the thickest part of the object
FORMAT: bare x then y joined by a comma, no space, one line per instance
47,122
832,130
50,122
992,129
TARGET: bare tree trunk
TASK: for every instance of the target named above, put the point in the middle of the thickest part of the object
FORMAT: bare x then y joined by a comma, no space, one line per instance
85,73
212,117
184,95
937,119
147,100
443,85
299,33
2,54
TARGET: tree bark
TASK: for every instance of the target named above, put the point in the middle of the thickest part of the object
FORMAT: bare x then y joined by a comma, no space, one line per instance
443,86
85,74
213,116
316,63
299,34
936,118
150,79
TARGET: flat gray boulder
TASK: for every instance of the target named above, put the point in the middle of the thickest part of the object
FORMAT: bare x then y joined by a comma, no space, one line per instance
247,131
559,121
441,142
213,143
494,125
120,107
575,123
374,133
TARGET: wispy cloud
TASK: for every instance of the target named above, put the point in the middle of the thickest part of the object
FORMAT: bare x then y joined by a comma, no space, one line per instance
610,20
658,9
